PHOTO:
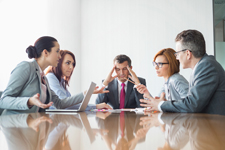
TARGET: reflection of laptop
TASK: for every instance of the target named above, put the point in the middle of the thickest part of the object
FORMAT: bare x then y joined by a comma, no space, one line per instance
83,104
80,121
86,125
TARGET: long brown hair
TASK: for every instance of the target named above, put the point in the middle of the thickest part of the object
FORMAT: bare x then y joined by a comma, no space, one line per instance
174,64
58,70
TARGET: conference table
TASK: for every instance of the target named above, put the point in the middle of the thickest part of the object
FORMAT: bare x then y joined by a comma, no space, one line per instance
112,130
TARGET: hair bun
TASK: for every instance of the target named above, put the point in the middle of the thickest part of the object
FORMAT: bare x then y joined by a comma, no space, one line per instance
31,51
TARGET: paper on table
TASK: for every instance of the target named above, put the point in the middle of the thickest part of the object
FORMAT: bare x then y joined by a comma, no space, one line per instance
119,110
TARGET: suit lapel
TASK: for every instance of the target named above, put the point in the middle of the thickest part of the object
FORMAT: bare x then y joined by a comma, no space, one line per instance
38,74
115,92
128,93
39,78
49,96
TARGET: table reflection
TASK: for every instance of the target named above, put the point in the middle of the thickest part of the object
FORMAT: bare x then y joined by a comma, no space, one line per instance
201,131
122,131
105,130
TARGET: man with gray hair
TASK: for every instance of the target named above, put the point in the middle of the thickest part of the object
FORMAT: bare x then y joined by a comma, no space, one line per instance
207,83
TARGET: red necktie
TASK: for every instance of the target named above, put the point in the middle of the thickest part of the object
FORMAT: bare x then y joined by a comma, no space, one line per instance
122,123
122,96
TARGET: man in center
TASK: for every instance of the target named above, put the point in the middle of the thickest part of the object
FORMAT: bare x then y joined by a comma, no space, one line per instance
122,93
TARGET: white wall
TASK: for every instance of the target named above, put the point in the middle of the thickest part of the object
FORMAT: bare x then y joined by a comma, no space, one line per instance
21,23
63,22
98,30
137,28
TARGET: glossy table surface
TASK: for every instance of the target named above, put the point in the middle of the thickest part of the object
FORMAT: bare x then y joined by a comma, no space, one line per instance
105,130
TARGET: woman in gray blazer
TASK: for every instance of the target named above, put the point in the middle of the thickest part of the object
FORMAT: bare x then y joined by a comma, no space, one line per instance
28,90
166,66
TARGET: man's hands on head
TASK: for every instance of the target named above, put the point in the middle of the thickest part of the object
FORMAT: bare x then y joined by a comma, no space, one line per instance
133,76
109,78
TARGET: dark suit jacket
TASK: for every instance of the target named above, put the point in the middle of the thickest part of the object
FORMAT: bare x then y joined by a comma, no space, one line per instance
206,90
131,99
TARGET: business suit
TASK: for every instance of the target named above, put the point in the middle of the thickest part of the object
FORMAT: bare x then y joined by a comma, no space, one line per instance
25,82
131,99
206,90
176,87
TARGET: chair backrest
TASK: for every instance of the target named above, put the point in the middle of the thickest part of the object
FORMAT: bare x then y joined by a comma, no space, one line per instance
1,110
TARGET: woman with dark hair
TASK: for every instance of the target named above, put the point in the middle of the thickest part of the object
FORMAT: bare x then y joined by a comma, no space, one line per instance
166,66
59,76
28,90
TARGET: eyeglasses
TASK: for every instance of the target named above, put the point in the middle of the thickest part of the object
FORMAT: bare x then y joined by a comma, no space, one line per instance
159,64
176,53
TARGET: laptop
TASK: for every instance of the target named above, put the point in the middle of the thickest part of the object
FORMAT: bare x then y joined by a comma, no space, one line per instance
83,104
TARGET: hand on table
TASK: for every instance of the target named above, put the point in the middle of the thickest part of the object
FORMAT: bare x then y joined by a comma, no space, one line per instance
103,106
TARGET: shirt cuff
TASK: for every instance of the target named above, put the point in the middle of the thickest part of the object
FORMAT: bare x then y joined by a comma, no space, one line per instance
136,85
104,85
84,93
29,106
159,106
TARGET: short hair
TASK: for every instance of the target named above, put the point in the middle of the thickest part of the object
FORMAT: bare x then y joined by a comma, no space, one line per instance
192,40
57,71
174,64
122,58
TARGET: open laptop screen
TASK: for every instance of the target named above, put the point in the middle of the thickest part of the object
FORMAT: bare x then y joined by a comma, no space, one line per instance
83,104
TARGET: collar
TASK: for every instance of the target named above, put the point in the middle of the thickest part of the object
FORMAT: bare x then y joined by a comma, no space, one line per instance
199,62
119,82
37,67
41,72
